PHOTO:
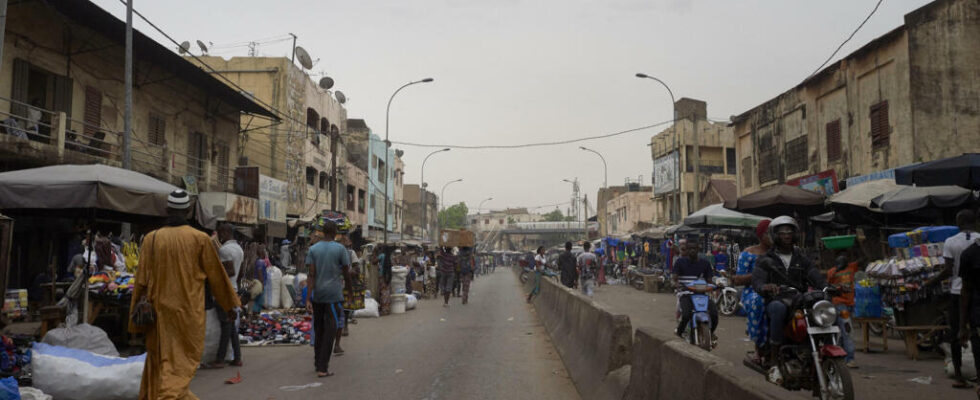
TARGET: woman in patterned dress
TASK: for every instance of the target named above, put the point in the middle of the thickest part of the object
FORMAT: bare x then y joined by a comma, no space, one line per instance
753,304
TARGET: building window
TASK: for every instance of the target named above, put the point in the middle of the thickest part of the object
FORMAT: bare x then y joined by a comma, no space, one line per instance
158,130
880,130
223,165
382,176
768,165
93,122
833,140
323,180
196,153
372,201
501,222
747,172
730,161
360,200
796,155
310,176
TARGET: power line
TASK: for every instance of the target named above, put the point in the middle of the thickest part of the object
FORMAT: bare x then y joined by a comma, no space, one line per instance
847,40
538,144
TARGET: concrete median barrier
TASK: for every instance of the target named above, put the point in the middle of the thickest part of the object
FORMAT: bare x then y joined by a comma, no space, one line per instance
595,345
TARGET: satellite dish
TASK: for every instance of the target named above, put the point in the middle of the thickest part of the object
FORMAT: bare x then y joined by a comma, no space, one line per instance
304,57
399,153
204,49
326,82
340,97
184,47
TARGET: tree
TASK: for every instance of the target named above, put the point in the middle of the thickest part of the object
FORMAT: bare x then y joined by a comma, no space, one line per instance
453,217
554,216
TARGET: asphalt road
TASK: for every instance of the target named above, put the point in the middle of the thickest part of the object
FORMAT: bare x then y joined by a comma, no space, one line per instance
492,348
881,375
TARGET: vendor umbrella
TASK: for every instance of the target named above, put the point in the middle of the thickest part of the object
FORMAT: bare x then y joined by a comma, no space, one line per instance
716,215
861,195
963,170
911,198
780,200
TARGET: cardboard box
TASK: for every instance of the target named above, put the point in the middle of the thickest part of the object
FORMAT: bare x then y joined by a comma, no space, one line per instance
457,238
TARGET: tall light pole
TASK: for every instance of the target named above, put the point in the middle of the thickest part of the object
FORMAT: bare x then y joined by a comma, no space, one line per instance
442,198
388,147
422,191
677,164
605,169
480,207
574,195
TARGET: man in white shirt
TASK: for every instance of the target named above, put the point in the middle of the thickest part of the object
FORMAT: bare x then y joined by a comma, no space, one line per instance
231,256
952,249
587,264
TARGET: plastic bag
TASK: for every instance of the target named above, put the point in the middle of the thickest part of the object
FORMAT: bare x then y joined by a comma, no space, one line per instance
29,393
411,302
212,337
968,369
867,302
8,389
82,337
285,296
72,374
370,309
273,288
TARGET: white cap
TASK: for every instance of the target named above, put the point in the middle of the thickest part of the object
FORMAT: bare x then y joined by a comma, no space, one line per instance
178,200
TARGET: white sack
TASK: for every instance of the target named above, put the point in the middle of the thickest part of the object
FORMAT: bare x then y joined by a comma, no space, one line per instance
370,309
82,337
72,374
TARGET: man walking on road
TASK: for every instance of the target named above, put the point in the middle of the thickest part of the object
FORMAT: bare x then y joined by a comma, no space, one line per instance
326,261
231,256
566,265
467,267
447,274
175,261
587,263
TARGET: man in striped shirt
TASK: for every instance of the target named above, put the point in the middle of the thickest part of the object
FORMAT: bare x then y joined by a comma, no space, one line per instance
690,268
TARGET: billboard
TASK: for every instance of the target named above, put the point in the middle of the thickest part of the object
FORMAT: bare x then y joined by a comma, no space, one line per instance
664,174
822,182
272,199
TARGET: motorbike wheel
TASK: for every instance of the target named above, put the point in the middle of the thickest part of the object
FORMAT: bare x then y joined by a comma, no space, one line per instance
729,303
839,385
523,277
704,336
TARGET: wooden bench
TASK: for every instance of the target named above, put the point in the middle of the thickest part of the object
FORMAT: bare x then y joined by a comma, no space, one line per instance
912,340
865,325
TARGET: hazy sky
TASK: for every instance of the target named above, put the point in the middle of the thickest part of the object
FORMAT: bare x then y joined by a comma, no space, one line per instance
513,71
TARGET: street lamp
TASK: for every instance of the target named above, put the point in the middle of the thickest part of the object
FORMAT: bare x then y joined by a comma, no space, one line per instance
388,146
677,165
605,169
442,197
422,190
481,204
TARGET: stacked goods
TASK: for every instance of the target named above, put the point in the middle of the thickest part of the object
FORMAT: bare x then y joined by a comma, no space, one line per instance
15,303
111,283
457,238
276,328
918,257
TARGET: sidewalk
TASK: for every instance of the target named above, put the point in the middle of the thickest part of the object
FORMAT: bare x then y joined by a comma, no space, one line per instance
880,376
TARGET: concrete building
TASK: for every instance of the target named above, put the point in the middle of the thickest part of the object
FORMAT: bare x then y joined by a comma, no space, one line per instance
70,74
414,220
306,150
706,151
908,96
630,211
495,220
602,198
376,155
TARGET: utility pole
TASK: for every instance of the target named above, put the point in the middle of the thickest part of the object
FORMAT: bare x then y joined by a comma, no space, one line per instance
696,190
127,155
585,217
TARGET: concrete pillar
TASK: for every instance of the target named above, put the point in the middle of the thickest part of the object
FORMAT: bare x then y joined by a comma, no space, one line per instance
60,122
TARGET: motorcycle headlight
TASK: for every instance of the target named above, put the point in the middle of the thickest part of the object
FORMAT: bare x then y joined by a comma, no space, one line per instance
824,313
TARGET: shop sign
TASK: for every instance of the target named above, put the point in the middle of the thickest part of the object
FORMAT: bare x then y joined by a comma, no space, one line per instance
874,176
272,199
822,182
230,207
664,174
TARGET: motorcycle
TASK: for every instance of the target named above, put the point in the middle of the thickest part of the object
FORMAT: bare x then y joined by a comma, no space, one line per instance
811,359
526,274
698,331
727,298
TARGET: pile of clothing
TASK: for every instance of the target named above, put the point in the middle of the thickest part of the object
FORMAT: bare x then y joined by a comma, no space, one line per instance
276,327
15,354
117,284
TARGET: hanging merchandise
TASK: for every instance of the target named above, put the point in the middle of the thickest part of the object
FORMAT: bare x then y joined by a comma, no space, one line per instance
918,257
131,254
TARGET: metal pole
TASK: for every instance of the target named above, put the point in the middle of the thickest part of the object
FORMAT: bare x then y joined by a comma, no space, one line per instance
422,191
605,168
292,60
388,149
128,117
442,196
677,164
480,207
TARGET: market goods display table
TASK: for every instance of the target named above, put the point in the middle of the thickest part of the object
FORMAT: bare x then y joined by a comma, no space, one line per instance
865,326
910,333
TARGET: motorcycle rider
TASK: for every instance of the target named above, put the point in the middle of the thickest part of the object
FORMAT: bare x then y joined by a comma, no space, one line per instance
687,269
783,265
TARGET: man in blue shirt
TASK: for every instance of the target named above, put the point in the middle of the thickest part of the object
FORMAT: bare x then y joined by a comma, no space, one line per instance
690,268
326,261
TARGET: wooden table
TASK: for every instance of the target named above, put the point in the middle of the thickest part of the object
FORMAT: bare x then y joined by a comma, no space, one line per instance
912,340
866,323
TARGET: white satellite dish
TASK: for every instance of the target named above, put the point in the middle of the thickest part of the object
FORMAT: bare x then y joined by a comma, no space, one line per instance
185,47
304,57
341,98
326,83
204,49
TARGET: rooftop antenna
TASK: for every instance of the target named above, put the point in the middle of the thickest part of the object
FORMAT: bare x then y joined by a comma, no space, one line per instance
204,49
184,48
304,57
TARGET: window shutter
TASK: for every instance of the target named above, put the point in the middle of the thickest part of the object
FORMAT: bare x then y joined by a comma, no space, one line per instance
158,130
93,111
880,130
18,89
833,141
61,100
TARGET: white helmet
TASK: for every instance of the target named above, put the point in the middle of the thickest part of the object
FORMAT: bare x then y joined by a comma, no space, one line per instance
782,220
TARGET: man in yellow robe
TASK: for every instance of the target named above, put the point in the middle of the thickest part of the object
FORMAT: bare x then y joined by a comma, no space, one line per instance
175,261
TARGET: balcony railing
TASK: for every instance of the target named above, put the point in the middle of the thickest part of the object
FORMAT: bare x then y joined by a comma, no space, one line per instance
54,128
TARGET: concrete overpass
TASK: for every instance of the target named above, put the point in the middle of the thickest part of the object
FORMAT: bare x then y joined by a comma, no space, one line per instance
530,235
